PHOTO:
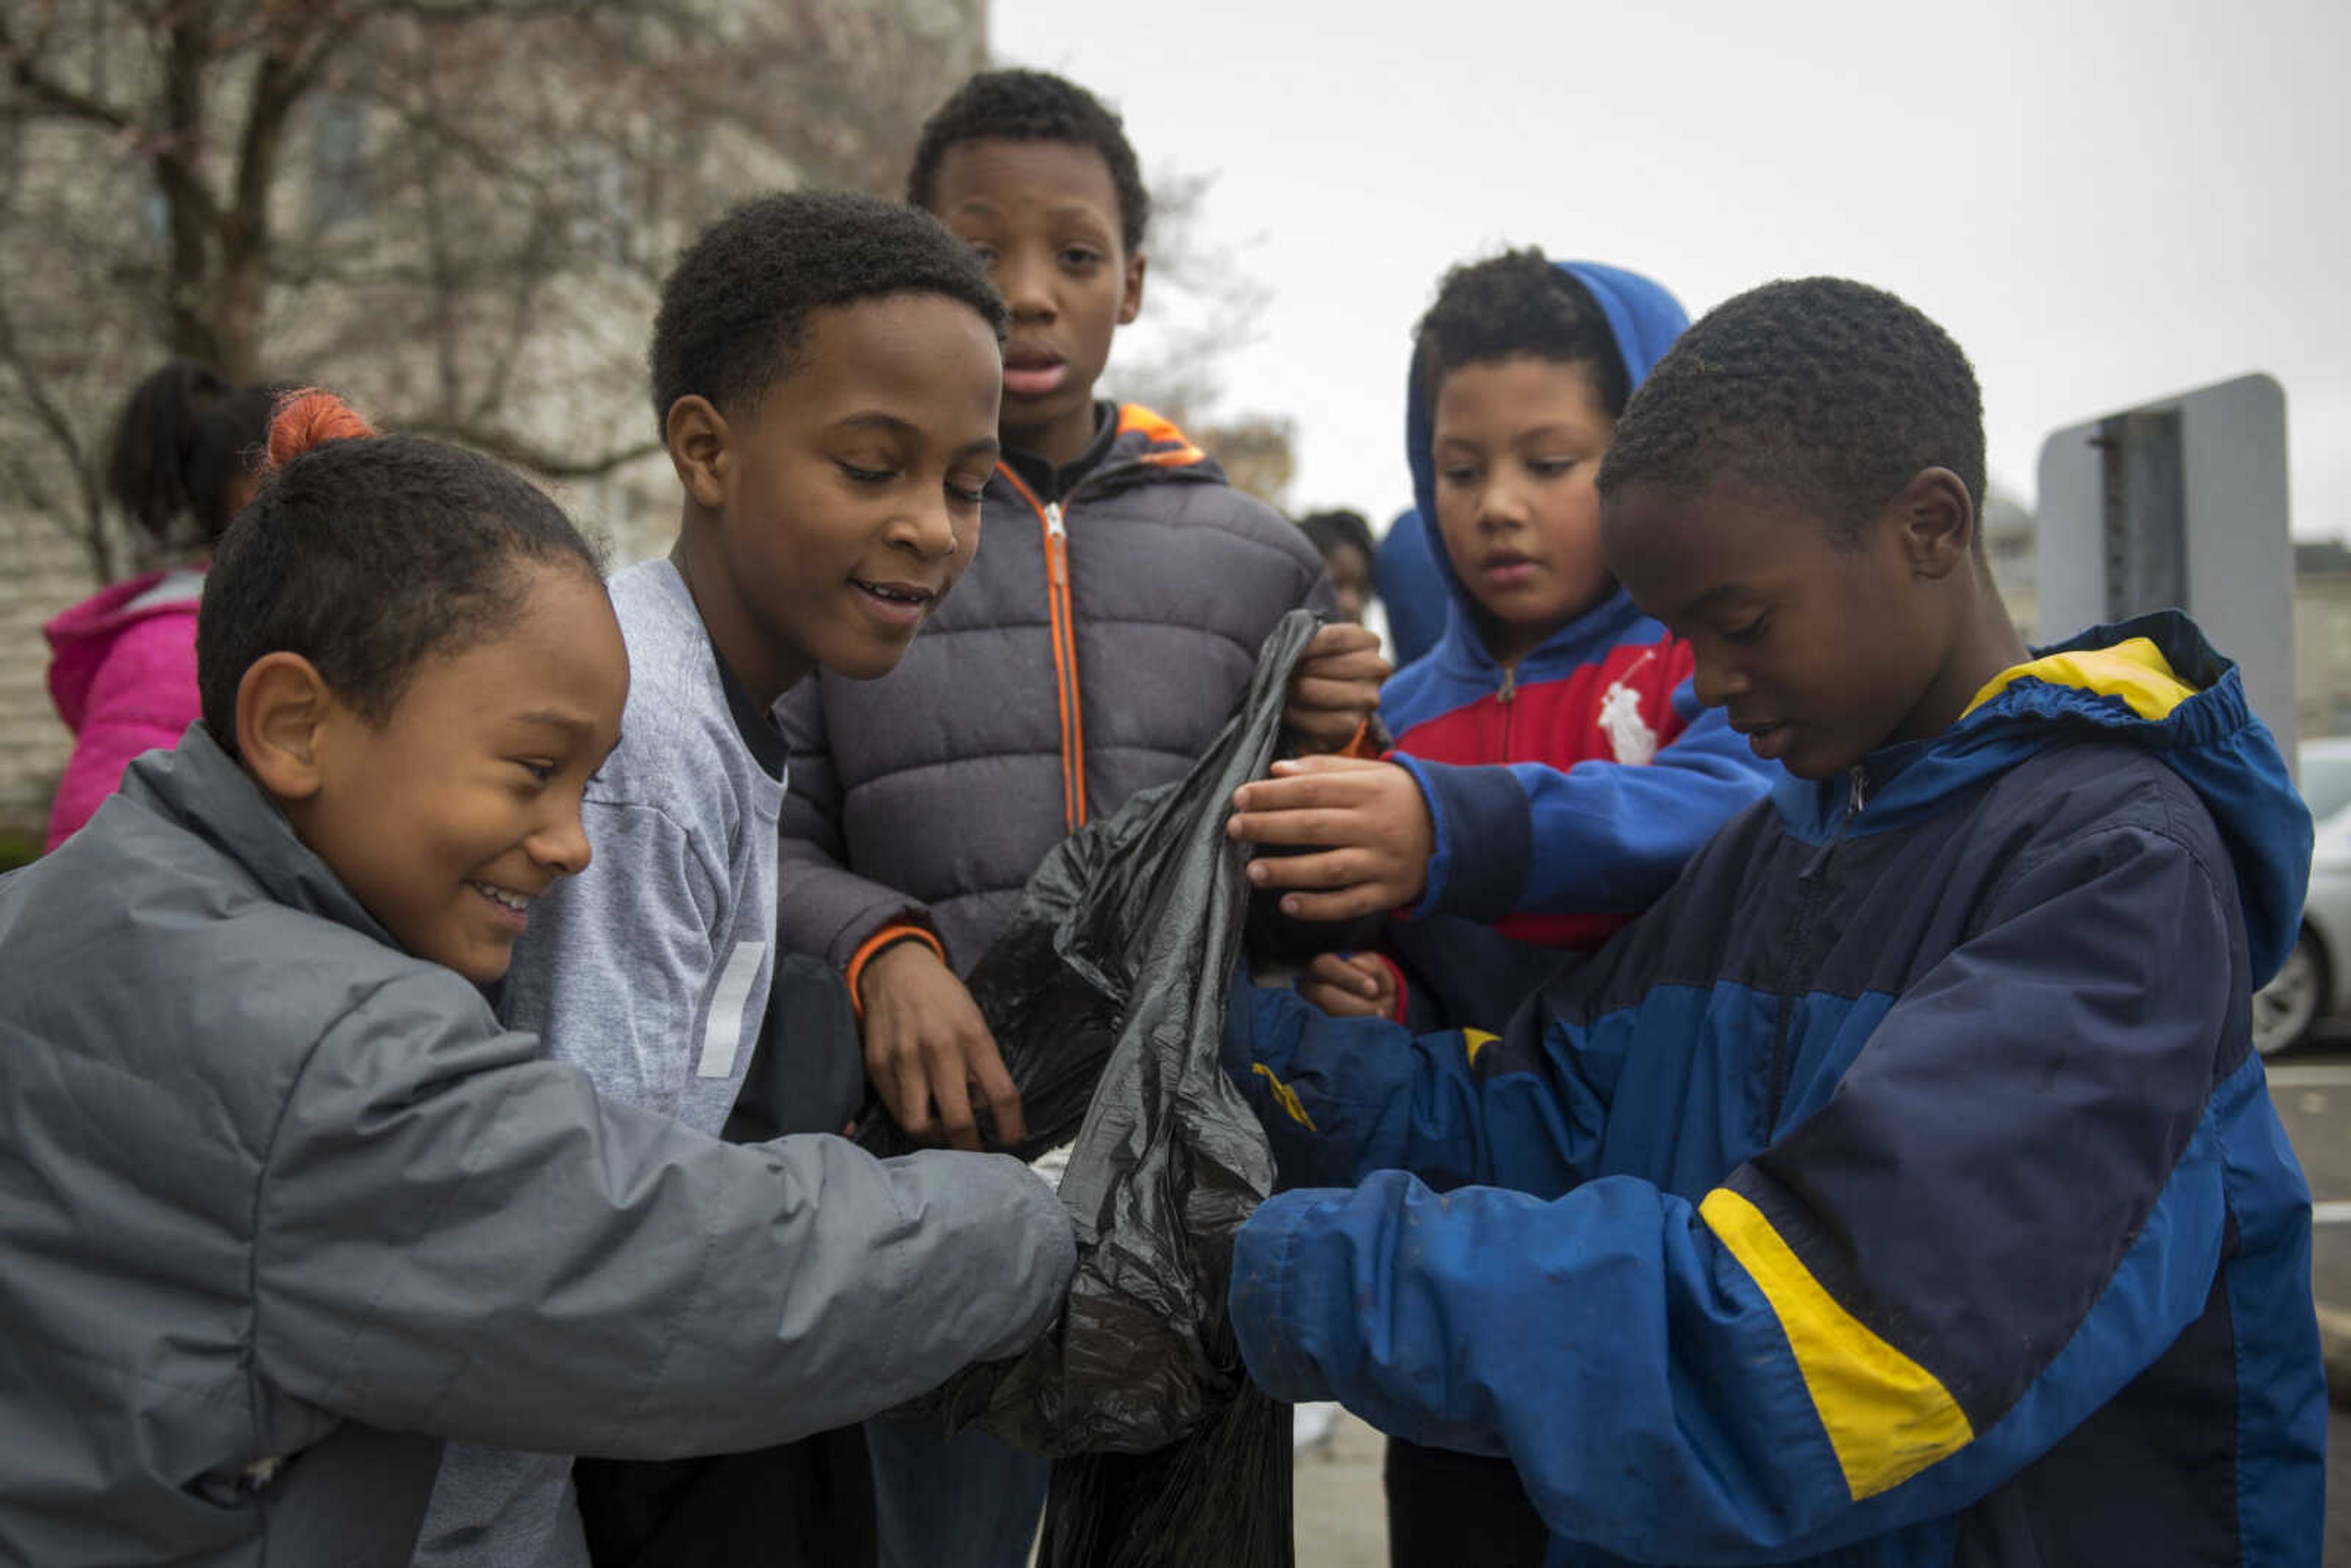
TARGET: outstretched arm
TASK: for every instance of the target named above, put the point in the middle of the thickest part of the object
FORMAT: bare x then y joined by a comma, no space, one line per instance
1490,841
454,1236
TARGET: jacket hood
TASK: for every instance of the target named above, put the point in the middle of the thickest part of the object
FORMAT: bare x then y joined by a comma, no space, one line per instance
1644,318
1147,448
2152,681
80,638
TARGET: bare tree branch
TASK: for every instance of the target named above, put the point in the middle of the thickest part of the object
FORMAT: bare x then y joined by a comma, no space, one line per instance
25,72
526,453
456,211
53,419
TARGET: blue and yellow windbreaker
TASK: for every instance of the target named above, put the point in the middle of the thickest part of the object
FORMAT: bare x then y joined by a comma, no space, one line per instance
1901,1189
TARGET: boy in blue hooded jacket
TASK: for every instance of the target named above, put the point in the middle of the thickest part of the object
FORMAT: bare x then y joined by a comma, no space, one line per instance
1552,764
1551,749
1903,1188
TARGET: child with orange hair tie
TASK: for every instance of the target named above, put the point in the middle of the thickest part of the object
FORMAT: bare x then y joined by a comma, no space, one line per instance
283,1204
122,669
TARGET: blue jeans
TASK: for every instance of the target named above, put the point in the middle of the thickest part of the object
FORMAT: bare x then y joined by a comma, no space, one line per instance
967,1502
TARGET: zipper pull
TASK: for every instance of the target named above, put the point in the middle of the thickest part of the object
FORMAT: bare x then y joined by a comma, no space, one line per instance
1059,537
1510,684
1860,793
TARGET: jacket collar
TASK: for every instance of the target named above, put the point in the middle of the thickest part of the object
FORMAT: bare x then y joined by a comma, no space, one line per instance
200,788
1139,447
1461,654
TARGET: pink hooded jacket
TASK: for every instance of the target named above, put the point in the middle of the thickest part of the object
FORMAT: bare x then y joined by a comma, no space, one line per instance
123,676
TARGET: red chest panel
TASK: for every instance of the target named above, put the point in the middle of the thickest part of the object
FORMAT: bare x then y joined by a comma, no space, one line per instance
1603,711
1619,708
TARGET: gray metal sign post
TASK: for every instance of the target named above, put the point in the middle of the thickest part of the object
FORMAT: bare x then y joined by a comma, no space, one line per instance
2179,502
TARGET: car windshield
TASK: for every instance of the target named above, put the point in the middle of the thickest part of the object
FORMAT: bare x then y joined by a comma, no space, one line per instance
2325,784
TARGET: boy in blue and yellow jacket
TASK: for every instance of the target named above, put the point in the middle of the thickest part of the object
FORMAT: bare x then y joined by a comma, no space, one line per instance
1903,1188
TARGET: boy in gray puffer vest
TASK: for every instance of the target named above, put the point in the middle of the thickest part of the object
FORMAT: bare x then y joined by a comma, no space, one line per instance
1094,649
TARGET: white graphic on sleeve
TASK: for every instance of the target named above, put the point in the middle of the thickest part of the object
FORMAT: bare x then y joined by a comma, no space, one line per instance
723,1035
1629,735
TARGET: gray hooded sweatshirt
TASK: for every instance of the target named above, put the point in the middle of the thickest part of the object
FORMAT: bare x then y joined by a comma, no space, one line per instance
273,1192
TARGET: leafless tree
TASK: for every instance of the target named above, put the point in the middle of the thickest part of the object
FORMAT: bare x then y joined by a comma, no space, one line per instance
457,210
1201,302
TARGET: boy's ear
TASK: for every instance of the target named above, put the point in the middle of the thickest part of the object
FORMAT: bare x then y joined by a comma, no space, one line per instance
700,448
1130,297
282,705
1938,522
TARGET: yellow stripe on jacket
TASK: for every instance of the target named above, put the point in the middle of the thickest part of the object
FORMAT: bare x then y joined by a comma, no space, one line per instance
1887,1417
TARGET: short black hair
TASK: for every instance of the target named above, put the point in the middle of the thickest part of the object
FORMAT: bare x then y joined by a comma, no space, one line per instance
735,310
1517,305
1330,529
185,435
1033,106
1820,389
366,556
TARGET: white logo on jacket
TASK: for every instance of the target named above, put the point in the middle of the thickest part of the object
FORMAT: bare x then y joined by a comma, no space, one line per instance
1629,735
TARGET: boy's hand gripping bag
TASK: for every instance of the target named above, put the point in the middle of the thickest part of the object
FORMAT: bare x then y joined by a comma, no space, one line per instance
1106,994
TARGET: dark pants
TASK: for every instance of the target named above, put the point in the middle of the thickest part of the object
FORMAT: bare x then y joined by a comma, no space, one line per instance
1458,1511
966,1502
807,1504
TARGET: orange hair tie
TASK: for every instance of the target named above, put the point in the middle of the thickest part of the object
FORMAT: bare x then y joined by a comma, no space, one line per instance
309,418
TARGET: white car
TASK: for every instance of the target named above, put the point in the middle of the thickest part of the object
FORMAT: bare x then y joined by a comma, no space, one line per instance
2315,981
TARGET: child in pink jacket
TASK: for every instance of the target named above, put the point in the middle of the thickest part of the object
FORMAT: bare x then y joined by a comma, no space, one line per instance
124,670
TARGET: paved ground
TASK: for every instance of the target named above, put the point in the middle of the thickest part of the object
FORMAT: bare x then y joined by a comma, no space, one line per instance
1341,1519
2312,1091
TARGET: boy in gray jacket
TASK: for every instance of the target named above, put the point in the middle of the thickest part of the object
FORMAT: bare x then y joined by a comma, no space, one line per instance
826,373
283,1203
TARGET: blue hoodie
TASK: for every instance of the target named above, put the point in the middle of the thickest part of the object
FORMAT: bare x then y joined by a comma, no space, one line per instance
1566,791
1901,1189
1408,588
1410,571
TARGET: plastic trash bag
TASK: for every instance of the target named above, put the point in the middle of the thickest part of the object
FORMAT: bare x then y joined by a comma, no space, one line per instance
1106,994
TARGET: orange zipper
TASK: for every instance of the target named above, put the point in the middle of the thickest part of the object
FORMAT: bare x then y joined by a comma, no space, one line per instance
1065,651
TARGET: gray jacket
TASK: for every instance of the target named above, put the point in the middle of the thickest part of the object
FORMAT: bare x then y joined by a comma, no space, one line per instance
1024,710
268,1181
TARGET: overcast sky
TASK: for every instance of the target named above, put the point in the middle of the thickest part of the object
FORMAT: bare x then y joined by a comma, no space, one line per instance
2102,202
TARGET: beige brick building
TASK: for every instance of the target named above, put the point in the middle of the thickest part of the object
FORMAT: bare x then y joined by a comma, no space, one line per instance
650,180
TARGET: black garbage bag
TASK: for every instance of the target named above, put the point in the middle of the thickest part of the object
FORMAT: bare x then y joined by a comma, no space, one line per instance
1106,994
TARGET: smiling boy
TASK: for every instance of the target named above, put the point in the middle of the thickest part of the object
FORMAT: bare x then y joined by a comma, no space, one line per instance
1903,1188
825,374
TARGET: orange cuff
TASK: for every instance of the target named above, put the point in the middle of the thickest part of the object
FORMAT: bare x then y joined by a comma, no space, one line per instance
1361,744
888,936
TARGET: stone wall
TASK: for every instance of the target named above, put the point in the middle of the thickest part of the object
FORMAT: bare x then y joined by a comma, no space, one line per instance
42,572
